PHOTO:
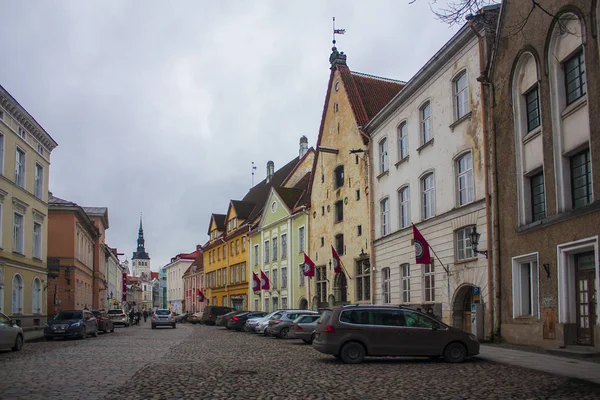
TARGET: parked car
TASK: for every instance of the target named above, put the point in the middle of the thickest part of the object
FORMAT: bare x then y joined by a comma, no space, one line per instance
119,317
262,325
104,322
71,323
303,328
355,331
210,314
195,318
181,317
11,335
251,324
280,327
238,321
223,319
163,317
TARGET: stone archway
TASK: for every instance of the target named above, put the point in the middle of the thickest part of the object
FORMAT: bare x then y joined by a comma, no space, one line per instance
461,307
303,304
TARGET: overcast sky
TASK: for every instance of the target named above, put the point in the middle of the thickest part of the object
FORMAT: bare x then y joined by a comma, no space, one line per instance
161,107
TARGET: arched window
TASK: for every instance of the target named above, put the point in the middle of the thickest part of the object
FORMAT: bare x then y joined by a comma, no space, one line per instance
386,285
385,216
17,294
460,86
425,119
383,156
402,141
36,297
404,201
428,195
464,179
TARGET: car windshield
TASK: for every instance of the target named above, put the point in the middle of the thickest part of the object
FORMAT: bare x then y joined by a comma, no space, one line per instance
163,312
325,316
67,315
115,312
97,314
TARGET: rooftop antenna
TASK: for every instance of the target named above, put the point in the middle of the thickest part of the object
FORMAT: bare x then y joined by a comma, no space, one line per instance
336,32
253,168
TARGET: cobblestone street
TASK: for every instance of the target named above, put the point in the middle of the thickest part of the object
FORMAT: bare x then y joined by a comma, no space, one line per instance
213,363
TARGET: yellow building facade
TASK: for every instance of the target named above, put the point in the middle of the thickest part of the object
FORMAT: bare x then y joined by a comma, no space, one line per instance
25,149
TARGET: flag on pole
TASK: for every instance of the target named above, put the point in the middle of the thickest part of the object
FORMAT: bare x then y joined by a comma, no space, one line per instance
337,263
264,281
421,247
255,282
308,266
200,296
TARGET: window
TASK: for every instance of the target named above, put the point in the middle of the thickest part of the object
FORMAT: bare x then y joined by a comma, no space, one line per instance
339,244
301,276
275,303
385,216
425,123
404,200
283,246
244,276
20,168
267,248
274,281
274,249
284,303
37,240
461,96
255,255
538,203
575,77
322,241
231,249
363,281
256,305
385,278
36,297
244,239
219,254
266,306
17,294
18,233
466,193
532,105
383,156
525,286
301,239
357,194
339,211
339,176
464,251
22,132
429,286
2,154
402,141
321,283
359,228
405,271
38,185
581,179
232,275
283,277
428,196
237,246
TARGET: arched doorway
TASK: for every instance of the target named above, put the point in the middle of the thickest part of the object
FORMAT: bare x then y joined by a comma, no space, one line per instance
340,289
461,307
303,304
331,300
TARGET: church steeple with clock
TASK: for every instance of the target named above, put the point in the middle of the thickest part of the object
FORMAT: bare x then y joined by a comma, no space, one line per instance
141,260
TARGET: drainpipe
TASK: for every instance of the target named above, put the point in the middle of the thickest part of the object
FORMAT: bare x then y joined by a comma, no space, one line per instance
483,81
369,162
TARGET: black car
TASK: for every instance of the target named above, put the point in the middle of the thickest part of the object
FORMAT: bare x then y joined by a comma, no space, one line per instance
223,319
210,314
238,321
71,323
104,322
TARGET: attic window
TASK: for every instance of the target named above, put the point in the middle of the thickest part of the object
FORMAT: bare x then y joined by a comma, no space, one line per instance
273,206
336,107
337,86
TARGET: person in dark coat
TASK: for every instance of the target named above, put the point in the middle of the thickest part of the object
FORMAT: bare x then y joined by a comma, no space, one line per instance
430,313
131,316
145,315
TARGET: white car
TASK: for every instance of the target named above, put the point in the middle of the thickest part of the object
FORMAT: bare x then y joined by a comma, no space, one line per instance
253,322
11,335
263,323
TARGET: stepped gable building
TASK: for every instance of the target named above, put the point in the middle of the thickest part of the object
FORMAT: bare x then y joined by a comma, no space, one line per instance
340,187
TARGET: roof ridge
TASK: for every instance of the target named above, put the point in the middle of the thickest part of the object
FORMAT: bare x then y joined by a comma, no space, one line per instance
381,78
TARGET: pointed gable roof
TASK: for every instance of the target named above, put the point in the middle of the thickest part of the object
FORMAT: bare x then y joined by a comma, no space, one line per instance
289,196
219,220
243,209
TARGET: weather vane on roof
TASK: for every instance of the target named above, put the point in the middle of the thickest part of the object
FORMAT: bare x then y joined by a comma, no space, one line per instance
336,32
253,168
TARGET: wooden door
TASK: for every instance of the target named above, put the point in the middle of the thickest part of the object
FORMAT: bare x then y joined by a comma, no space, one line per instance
586,298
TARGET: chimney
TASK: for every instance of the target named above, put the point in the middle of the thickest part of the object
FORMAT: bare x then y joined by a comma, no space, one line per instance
270,170
303,146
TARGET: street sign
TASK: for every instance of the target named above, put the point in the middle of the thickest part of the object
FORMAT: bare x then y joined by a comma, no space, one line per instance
476,290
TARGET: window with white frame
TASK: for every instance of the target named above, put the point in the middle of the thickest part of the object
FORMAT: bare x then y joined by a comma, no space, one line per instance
402,141
363,281
575,77
525,286
404,201
256,255
17,294
284,277
18,232
38,183
275,303
274,249
464,251
538,197
532,108
37,240
428,196
284,303
429,284
267,250
425,117
20,168
581,179
2,154
461,96
267,303
384,207
284,246
301,275
274,279
256,305
464,178
36,296
405,277
383,156
301,239
386,285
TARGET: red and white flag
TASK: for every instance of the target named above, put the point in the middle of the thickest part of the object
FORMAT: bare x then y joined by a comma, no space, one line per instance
308,266
421,247
255,282
265,284
200,296
337,263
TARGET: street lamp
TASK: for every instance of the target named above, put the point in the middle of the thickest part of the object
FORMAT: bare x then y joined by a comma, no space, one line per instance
474,236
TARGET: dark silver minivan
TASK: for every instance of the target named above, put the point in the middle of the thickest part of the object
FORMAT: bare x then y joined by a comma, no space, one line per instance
355,331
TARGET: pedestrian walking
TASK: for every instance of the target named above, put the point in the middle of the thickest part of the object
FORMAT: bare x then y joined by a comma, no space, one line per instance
430,313
145,315
131,316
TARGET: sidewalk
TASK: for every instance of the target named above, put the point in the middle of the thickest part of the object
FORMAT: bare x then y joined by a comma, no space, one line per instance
557,365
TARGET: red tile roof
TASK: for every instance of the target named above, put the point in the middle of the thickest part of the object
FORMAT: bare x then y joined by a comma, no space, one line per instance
154,275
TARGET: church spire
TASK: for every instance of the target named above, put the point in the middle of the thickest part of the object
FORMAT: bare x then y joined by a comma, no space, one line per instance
140,253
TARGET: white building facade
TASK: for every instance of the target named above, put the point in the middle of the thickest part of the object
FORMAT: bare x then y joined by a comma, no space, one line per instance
174,273
428,169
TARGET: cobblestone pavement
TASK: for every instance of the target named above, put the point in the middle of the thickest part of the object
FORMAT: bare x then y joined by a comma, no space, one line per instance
207,362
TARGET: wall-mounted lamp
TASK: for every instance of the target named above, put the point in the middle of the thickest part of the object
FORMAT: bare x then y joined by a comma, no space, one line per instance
474,236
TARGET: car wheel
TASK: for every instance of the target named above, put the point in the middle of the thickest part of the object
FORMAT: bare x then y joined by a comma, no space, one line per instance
284,333
113,329
455,353
306,341
48,338
18,343
105,330
352,353
95,334
174,326
238,329
312,338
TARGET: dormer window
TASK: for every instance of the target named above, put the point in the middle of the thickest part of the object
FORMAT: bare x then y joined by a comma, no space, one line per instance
339,176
